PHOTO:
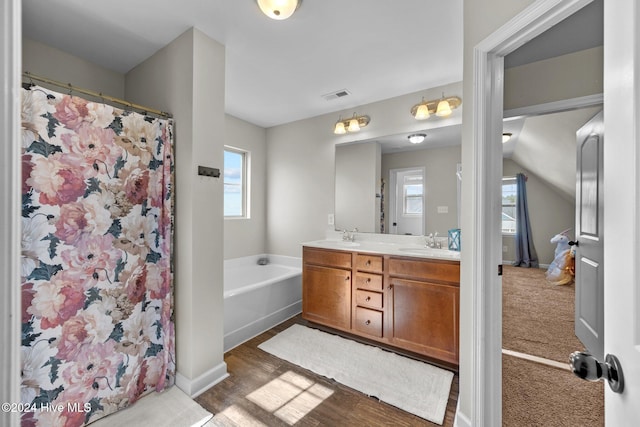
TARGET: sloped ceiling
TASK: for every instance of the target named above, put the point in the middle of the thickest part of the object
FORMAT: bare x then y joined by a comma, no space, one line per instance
546,146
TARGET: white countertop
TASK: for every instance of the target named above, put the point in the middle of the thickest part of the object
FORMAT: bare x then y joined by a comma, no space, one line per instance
386,248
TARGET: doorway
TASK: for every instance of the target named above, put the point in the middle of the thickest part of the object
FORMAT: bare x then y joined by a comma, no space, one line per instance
483,191
538,311
407,201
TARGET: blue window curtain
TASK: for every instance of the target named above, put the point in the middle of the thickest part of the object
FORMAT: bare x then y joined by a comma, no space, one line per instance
525,251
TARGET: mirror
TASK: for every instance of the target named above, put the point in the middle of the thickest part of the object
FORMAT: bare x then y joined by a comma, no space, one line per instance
388,185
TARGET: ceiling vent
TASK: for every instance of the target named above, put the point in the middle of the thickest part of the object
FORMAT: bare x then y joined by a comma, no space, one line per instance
337,94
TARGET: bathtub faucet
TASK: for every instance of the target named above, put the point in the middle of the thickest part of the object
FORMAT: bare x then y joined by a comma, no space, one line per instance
349,236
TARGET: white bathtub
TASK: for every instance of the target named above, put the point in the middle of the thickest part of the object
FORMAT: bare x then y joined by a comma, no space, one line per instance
258,297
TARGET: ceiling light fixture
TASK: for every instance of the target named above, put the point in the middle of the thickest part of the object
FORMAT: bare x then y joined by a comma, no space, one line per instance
506,137
417,138
353,124
278,9
442,107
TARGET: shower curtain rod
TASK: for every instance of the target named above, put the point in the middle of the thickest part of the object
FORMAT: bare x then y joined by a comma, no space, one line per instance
31,76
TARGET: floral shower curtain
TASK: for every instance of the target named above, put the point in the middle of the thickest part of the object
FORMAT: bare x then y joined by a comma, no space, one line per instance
97,280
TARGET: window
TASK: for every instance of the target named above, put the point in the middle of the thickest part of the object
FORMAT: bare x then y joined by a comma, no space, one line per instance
412,195
235,183
509,194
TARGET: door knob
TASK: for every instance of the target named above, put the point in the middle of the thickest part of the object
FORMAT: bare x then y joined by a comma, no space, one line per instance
573,243
589,368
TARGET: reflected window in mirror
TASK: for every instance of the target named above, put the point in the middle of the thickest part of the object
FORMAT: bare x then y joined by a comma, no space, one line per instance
413,195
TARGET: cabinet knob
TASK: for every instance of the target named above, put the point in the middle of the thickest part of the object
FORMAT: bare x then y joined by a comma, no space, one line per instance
368,322
390,287
368,299
347,278
368,262
368,279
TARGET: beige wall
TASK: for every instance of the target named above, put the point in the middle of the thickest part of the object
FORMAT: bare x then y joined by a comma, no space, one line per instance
187,78
246,236
563,77
300,164
52,63
549,212
441,183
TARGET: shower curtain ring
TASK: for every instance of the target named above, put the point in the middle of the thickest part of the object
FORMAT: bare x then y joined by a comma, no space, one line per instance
70,89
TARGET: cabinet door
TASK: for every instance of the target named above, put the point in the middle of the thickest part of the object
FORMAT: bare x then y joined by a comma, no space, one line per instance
424,318
326,296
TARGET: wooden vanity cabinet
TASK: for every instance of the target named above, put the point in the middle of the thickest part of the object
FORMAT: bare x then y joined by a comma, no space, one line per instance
424,300
407,302
368,296
326,287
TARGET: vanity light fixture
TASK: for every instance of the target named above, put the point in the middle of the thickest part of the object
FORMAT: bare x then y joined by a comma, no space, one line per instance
442,107
278,9
353,124
506,137
417,138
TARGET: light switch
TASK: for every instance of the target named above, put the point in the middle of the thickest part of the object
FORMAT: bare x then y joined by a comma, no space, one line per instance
330,219
443,209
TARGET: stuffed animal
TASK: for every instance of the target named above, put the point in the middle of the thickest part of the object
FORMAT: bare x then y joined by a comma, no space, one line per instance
562,270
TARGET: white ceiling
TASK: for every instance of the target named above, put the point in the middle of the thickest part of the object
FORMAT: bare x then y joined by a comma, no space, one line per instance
276,71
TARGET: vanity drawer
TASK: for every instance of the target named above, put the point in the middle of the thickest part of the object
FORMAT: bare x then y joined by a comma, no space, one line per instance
371,263
368,322
431,270
325,257
372,282
369,299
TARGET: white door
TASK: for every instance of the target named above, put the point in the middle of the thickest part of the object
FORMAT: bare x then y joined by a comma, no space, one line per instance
622,201
406,204
589,249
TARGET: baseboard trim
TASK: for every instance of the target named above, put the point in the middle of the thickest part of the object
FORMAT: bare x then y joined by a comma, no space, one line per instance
510,262
199,385
541,360
460,419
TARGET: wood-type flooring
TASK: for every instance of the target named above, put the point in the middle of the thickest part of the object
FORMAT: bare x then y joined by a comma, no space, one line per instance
251,368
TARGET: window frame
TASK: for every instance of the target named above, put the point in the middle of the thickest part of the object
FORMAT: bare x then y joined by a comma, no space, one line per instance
244,182
406,197
508,180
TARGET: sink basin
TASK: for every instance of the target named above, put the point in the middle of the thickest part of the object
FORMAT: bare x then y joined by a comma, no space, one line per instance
431,252
348,244
338,243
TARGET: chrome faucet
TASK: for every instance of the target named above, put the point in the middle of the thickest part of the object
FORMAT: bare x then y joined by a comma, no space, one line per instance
349,236
432,241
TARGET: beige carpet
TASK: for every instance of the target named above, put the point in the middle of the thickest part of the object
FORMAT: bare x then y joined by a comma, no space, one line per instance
537,317
413,386
537,395
171,408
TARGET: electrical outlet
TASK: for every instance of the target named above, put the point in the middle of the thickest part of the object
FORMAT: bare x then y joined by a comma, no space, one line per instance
330,219
443,209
